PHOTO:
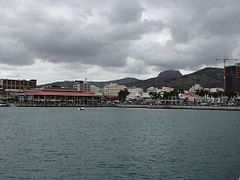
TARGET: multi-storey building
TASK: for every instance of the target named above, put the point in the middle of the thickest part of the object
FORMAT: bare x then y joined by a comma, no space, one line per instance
113,89
134,93
17,84
232,79
82,86
95,89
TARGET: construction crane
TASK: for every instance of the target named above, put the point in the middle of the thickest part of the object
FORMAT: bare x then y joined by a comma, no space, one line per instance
225,60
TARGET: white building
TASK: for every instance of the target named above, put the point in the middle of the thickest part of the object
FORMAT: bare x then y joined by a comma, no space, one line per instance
82,86
113,89
146,95
213,90
166,89
135,93
152,89
95,89
195,88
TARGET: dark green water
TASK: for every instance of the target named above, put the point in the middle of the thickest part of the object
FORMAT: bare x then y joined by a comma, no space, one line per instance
109,143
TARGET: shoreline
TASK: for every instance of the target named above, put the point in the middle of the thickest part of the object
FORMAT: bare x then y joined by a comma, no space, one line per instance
223,108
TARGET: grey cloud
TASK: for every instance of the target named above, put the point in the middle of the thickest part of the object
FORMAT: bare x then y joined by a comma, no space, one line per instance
125,11
14,52
134,31
75,40
106,33
201,30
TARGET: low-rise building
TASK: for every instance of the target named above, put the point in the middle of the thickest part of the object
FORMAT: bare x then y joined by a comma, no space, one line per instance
95,89
113,89
195,88
166,89
152,90
190,96
82,86
134,93
214,90
58,97
145,95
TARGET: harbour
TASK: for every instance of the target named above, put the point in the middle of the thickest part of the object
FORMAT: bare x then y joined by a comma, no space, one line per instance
108,90
222,108
118,143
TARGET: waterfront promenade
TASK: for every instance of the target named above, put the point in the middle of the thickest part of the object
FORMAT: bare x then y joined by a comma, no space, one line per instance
193,107
227,108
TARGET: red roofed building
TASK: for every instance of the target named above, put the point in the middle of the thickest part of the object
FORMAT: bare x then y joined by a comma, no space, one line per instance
59,97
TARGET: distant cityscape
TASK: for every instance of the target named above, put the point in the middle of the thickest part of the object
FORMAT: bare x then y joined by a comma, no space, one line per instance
83,93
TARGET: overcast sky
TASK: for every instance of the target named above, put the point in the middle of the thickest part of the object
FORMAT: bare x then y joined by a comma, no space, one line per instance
53,40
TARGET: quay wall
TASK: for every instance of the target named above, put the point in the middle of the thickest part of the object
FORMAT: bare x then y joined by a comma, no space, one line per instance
61,105
227,108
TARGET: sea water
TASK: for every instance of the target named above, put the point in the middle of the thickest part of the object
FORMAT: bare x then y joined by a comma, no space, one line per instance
115,143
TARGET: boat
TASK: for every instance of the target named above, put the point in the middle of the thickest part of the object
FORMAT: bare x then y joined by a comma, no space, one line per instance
3,105
81,109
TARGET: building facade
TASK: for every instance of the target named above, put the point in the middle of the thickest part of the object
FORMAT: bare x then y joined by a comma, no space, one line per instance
134,93
232,79
95,89
82,86
17,84
58,97
113,89
12,85
195,88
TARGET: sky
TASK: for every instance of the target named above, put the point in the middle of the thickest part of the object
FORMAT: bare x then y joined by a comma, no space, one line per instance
56,40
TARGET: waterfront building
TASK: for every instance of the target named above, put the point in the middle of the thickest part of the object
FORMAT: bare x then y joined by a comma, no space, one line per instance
190,96
82,86
145,95
58,97
165,89
195,88
232,79
12,85
112,89
134,93
17,84
152,90
95,89
214,90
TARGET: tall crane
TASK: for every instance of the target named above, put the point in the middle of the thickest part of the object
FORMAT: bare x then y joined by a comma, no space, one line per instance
225,71
225,60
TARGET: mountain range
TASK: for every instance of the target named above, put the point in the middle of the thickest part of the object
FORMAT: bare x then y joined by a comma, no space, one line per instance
207,77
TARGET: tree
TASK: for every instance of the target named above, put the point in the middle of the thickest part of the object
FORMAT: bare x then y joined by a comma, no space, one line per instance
231,94
216,94
154,95
122,94
201,93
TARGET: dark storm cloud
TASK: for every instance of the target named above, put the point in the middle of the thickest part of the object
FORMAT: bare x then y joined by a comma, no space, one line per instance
107,33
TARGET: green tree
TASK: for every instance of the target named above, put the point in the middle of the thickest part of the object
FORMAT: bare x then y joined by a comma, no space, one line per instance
154,95
122,94
231,94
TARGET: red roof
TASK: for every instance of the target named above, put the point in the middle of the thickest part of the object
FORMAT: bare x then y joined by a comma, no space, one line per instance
60,93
